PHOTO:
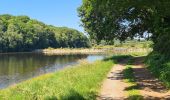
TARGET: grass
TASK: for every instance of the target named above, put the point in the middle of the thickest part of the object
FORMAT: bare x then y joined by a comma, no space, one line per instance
159,66
74,83
127,44
132,91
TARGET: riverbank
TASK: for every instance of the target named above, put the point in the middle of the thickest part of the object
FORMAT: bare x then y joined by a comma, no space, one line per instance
115,50
81,82
69,51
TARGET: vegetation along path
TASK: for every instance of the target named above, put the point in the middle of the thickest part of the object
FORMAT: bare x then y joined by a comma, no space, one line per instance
149,88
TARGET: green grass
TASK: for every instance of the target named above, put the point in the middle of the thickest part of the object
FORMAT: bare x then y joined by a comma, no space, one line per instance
159,66
75,83
118,58
127,44
128,74
132,89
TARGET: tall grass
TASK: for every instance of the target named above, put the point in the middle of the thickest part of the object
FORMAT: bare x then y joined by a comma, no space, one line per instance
159,65
75,83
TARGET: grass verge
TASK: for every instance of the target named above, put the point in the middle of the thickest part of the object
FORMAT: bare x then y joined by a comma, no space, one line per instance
159,66
75,83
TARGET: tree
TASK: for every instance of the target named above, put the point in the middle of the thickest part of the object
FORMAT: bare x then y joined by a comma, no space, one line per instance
20,33
122,19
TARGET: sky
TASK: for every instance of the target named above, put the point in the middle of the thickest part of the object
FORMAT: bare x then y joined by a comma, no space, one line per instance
52,12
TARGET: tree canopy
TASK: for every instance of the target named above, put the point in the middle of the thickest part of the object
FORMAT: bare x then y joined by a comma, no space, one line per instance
122,19
20,33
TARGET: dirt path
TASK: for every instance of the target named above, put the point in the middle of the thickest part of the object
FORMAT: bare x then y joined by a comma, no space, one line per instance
113,87
150,87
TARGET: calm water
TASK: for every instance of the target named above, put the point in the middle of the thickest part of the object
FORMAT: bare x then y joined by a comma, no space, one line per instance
15,68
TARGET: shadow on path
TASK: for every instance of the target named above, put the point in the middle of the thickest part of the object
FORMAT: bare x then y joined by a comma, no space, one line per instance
113,87
150,87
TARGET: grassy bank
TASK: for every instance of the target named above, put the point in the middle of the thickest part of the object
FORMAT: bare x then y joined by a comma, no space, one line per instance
159,65
127,48
75,83
68,51
115,51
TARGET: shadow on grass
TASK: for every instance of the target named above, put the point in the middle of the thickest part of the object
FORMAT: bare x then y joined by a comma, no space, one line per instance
132,88
118,58
73,95
135,97
51,98
128,75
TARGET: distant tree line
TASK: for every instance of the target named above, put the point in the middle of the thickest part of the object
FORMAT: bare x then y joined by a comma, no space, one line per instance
20,33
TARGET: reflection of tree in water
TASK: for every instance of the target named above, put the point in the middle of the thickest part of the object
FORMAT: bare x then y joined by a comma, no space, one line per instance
23,63
18,67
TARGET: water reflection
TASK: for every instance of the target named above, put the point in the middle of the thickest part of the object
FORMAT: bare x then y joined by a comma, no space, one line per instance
18,67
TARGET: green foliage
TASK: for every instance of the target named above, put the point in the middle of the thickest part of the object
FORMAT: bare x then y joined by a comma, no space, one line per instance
122,19
159,65
81,82
20,33
126,44
70,38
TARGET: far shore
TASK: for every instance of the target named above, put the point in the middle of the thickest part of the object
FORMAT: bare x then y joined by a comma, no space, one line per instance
61,51
67,51
116,50
72,51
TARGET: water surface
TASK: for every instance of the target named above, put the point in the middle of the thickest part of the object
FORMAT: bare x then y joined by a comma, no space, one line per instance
15,68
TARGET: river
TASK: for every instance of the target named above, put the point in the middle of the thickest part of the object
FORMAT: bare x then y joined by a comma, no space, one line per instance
15,68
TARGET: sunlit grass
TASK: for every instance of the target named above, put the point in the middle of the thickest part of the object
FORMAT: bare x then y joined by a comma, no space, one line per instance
74,83
127,44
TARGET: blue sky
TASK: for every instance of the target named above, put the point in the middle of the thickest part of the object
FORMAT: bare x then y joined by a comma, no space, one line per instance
52,12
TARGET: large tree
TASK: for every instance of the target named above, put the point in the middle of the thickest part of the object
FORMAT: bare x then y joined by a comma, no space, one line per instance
121,19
